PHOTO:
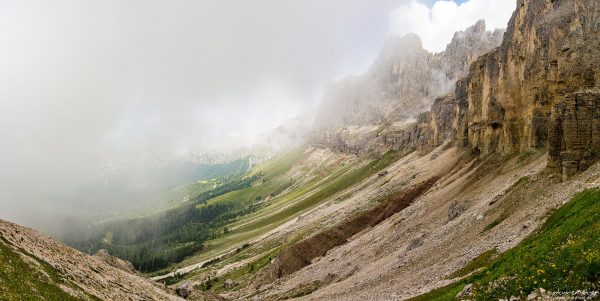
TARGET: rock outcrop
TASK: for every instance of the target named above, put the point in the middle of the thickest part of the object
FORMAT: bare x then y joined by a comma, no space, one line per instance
115,262
575,132
185,290
539,89
431,128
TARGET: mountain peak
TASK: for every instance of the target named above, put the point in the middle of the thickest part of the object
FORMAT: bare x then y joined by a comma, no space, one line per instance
478,27
409,41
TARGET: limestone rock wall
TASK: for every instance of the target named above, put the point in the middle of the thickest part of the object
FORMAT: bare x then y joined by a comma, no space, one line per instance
528,94
538,90
575,132
431,129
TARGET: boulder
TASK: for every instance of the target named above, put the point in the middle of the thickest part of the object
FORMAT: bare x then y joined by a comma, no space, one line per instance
465,291
416,243
185,290
120,264
457,208
229,284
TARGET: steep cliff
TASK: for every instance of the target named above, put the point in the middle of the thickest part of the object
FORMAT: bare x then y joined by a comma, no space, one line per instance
539,89
404,79
431,128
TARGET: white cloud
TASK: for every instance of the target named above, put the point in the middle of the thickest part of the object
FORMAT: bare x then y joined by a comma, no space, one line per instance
436,25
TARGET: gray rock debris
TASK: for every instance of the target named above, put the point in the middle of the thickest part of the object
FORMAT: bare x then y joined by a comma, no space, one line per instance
185,290
465,291
456,209
416,243
229,284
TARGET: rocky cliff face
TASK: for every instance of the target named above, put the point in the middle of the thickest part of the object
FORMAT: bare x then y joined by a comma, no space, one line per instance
431,128
404,80
539,89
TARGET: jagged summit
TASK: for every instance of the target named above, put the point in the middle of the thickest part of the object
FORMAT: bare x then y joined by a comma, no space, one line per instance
538,90
404,79
396,46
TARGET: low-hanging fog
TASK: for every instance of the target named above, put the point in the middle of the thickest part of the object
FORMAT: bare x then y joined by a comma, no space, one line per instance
93,92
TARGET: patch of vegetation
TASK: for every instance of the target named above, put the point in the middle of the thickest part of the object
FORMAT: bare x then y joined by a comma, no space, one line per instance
20,280
244,272
211,262
495,223
279,165
479,262
157,241
173,279
342,183
445,293
154,242
243,247
564,255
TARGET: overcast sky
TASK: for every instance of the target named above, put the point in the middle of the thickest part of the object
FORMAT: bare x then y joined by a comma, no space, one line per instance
81,79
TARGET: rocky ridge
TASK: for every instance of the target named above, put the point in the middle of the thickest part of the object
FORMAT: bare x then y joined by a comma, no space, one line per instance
82,276
404,79
537,91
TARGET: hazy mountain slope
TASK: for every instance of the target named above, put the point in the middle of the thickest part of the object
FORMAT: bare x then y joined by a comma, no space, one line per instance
494,203
39,268
404,79
534,94
320,176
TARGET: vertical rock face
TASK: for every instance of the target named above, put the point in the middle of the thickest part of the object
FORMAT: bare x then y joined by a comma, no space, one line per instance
465,47
395,78
538,90
575,132
431,128
404,80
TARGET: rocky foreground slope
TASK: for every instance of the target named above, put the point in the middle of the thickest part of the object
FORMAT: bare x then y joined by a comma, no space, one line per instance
35,267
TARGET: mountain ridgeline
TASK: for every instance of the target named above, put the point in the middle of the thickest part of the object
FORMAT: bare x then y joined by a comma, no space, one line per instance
537,91
404,79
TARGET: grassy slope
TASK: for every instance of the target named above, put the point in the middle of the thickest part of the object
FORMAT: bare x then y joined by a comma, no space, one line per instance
269,184
291,205
564,255
30,279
